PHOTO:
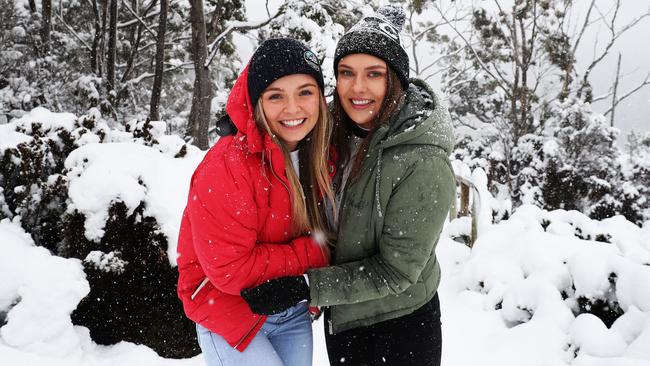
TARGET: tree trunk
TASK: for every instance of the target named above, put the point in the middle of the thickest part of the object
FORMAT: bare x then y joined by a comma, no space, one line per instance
154,113
47,25
112,46
102,39
136,37
197,126
95,58
32,6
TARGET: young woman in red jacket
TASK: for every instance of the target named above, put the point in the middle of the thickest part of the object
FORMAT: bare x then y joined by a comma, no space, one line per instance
254,210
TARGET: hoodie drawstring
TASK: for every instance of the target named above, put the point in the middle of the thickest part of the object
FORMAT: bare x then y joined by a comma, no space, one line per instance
377,180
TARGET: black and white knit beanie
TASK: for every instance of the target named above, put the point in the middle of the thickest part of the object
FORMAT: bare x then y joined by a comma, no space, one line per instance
378,35
278,57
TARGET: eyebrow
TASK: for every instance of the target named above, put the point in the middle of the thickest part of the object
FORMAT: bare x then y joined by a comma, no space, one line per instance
373,67
306,85
281,90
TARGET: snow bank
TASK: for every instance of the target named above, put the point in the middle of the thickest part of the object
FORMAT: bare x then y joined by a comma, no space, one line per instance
521,295
100,174
38,291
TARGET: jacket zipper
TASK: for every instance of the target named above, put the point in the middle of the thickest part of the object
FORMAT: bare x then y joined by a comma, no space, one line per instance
199,287
287,188
248,333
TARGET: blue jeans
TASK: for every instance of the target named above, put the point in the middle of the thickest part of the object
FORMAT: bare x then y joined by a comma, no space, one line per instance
285,340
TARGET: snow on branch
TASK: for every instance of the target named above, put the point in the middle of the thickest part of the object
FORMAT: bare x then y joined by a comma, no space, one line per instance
237,26
139,19
147,75
146,16
72,31
500,79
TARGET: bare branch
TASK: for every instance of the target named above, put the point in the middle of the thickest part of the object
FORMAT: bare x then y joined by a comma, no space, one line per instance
148,75
584,26
453,86
465,124
139,19
602,97
614,36
644,83
414,45
237,27
614,101
485,68
72,31
435,61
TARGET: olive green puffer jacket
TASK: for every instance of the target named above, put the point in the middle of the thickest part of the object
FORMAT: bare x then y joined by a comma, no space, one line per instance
390,219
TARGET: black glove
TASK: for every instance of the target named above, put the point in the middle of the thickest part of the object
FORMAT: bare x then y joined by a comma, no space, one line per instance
225,126
277,295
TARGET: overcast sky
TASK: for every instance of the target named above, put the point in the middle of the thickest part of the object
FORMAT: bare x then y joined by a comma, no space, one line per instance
634,46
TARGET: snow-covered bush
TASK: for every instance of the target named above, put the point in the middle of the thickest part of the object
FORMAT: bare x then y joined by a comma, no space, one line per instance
31,171
573,164
113,199
553,287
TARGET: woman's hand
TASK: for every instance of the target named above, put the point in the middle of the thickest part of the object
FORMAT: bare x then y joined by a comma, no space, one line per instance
277,295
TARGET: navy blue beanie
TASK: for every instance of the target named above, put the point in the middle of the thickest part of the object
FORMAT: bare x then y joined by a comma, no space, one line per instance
278,57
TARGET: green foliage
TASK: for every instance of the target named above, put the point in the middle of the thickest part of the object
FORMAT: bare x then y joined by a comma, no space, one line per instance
549,149
33,180
557,46
136,300
133,286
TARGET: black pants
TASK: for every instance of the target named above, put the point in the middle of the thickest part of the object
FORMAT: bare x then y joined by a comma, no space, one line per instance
411,340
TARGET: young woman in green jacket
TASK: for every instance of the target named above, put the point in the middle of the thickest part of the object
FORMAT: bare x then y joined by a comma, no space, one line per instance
394,187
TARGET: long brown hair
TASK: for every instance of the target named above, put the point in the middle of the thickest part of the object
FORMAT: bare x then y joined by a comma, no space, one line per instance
314,184
343,125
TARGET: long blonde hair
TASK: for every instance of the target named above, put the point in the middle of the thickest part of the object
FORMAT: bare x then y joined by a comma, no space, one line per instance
308,211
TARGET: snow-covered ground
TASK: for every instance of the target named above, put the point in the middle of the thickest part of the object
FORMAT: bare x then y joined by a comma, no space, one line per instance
512,300
519,265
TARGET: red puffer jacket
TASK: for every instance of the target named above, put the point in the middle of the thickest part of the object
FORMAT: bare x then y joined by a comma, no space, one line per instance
236,229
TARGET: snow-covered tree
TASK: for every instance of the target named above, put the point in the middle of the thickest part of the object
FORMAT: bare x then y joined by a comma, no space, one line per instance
634,190
320,24
585,160
513,82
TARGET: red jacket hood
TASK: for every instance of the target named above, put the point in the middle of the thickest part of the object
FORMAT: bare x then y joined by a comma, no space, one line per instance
240,111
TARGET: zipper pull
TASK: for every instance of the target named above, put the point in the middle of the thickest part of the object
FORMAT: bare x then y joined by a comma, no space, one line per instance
329,322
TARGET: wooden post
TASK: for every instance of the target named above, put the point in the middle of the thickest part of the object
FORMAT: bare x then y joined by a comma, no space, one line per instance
465,187
464,199
474,229
453,210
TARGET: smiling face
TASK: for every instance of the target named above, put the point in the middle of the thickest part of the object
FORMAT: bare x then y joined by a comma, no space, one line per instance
361,87
291,107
